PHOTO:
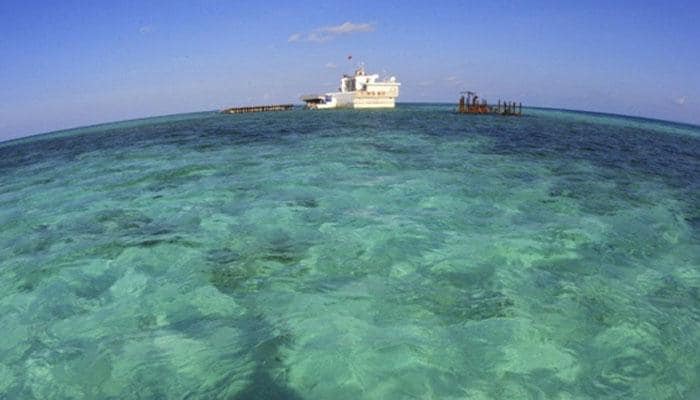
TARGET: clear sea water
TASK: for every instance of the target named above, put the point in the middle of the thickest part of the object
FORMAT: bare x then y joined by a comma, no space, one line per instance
401,254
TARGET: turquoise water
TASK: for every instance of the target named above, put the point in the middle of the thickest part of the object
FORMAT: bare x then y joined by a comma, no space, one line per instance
411,253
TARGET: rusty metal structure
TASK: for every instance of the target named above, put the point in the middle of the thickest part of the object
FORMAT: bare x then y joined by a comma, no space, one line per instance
472,104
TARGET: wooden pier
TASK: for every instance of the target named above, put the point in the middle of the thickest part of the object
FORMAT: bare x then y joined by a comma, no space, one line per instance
252,109
472,105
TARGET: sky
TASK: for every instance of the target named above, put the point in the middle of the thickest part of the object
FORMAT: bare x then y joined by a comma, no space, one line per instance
71,63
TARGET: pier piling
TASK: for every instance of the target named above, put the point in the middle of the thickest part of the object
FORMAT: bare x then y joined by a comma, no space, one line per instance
250,109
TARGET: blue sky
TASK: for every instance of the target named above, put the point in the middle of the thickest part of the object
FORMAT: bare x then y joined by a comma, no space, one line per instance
71,63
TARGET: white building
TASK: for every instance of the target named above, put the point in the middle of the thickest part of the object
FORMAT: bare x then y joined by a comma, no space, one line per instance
358,91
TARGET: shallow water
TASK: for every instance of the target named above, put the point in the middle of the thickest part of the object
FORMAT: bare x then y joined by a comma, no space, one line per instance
411,253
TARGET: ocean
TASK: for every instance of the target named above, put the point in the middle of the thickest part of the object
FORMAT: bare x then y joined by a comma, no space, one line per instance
353,254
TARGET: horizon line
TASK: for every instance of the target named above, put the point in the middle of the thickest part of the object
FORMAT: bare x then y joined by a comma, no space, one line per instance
148,117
